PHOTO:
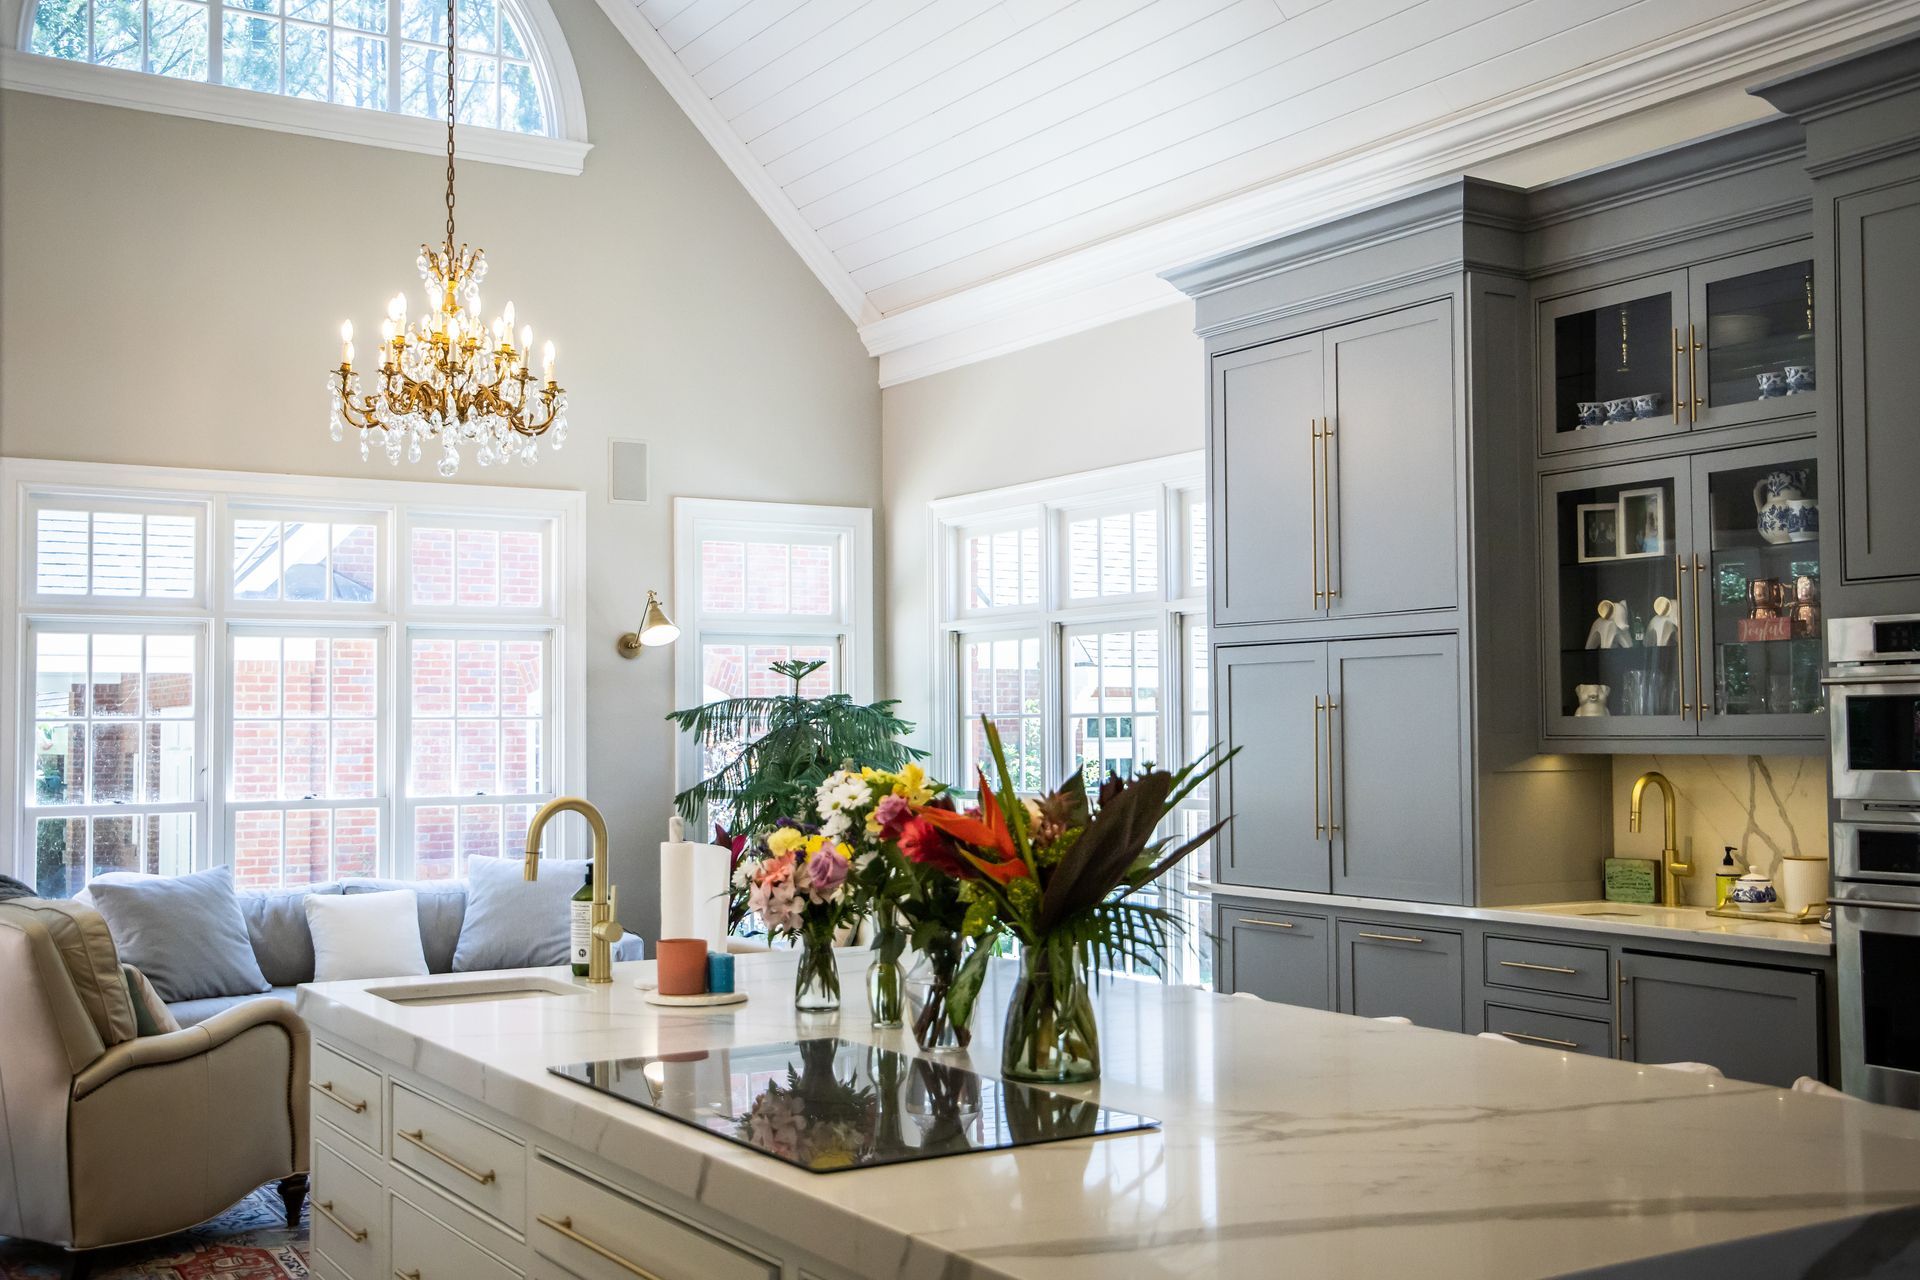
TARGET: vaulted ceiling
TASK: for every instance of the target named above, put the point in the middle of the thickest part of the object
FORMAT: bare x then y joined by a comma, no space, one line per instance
969,175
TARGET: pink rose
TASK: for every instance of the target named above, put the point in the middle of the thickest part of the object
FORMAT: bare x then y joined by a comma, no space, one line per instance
893,814
824,871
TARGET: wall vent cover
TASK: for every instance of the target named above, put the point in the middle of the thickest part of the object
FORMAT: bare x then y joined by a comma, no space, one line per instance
627,471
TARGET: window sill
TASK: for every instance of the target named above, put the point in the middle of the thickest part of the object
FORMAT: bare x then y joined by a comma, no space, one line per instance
222,104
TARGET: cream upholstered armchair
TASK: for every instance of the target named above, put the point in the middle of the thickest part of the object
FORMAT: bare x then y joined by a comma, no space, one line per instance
107,1136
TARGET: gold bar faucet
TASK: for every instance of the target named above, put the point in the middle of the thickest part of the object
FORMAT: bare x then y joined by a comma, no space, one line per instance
1670,864
606,929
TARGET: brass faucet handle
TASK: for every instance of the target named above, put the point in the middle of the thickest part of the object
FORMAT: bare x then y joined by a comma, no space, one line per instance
609,930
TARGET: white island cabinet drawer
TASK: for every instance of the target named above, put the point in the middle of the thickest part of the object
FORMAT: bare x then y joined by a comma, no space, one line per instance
349,1216
426,1249
464,1157
599,1234
346,1095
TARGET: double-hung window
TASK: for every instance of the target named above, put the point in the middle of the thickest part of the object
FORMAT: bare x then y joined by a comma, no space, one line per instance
1071,614
214,668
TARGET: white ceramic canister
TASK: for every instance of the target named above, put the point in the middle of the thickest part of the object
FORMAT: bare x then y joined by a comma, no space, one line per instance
1803,882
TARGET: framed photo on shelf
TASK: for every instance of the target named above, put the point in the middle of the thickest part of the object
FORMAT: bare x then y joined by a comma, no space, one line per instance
1643,523
1599,529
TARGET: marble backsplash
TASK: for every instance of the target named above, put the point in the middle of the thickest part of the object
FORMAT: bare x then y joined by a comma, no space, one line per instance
1766,807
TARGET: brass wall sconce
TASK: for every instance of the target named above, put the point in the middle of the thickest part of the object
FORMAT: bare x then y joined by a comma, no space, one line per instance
656,630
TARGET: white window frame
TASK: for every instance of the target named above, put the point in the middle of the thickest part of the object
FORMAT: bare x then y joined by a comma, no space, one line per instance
563,150
394,506
851,626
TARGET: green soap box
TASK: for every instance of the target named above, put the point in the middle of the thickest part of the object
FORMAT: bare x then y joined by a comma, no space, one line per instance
1632,879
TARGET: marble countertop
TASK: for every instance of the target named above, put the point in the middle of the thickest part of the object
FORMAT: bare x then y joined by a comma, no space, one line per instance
1292,1142
1678,924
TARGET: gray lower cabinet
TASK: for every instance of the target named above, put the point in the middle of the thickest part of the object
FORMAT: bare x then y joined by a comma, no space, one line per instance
1560,1031
1270,701
1753,1023
1394,970
1281,956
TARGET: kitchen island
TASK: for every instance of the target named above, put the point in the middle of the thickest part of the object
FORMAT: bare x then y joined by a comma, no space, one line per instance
1292,1142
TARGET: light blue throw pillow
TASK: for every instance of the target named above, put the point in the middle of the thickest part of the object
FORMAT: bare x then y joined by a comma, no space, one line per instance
512,923
186,933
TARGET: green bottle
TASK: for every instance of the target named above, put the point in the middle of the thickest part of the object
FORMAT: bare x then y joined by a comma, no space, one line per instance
580,930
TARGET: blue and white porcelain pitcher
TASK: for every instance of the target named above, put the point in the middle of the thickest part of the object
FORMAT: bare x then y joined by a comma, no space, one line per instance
1777,497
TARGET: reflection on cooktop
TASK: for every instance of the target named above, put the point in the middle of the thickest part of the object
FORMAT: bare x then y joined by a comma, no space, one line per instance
828,1104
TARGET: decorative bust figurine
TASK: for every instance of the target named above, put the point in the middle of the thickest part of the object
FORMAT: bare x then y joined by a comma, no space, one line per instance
1592,699
1663,628
1611,629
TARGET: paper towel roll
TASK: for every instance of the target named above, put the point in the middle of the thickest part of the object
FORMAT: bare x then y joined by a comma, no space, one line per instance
707,894
676,885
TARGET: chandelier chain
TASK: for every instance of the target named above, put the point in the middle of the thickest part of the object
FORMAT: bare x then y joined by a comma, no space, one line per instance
451,17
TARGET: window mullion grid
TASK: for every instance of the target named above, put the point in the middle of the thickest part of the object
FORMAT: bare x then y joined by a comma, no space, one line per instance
216,24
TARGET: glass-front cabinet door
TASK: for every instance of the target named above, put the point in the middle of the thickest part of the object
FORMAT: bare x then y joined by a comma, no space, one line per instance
1612,364
1756,572
1751,333
1617,616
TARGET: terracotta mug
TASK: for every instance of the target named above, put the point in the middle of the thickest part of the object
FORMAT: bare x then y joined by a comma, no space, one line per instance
682,965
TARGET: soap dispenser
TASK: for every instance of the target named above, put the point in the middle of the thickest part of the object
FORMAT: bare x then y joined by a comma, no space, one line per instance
1724,878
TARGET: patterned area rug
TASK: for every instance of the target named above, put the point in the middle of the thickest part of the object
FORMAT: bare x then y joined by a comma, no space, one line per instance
250,1241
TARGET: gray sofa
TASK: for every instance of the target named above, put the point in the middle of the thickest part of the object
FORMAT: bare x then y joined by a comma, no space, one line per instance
277,927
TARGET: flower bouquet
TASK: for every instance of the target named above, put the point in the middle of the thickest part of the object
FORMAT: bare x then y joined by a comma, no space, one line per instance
797,882
1059,876
815,1118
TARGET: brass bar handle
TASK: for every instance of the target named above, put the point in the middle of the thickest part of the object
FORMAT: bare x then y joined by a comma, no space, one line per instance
326,1211
1549,1040
1313,508
1390,937
1693,375
326,1090
1333,827
1266,924
1678,347
1680,571
1327,489
1319,825
565,1227
418,1137
1700,703
1537,968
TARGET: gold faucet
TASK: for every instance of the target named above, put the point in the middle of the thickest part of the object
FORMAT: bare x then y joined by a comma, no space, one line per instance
1670,863
606,929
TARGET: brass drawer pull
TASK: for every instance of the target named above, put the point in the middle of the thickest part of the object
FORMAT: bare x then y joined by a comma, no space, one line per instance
1392,937
1558,1044
1266,924
565,1227
326,1211
1327,490
418,1138
1313,503
1538,968
326,1090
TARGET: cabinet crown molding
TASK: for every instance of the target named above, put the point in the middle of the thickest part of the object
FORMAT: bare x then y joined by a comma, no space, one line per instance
1884,71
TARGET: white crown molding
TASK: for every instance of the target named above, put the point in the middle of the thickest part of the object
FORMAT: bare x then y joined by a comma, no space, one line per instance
223,104
1117,278
768,194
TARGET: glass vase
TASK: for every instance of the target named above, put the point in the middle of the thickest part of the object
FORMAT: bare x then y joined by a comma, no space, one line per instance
1050,1035
928,986
886,995
817,985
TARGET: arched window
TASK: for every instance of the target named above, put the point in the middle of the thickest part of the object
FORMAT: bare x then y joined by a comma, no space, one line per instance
378,55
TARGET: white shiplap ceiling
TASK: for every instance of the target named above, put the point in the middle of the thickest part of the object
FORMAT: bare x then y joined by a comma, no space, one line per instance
970,175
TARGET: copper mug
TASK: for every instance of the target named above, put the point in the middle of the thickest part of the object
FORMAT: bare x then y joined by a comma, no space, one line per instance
1806,619
1806,589
1765,594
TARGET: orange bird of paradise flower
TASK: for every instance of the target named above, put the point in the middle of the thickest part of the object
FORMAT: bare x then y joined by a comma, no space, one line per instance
988,832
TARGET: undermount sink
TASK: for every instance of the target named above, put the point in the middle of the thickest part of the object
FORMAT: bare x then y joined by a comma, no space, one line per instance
474,990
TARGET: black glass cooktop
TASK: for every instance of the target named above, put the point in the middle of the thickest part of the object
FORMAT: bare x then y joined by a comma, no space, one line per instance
829,1104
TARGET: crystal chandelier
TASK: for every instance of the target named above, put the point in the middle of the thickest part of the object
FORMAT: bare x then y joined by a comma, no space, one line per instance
447,379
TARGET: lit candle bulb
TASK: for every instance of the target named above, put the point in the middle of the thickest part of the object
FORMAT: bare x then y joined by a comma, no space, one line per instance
547,352
507,315
397,309
499,332
526,346
346,342
386,331
346,354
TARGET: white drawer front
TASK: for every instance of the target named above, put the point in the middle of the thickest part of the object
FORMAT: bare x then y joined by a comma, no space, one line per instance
469,1160
348,1218
426,1249
346,1095
599,1234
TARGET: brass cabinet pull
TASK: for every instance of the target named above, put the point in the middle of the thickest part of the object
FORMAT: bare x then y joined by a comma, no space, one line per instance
1313,508
565,1227
1327,489
1678,347
1539,968
1680,570
326,1090
1319,826
1700,703
1693,374
1558,1044
1333,828
418,1137
1266,924
326,1211
1391,937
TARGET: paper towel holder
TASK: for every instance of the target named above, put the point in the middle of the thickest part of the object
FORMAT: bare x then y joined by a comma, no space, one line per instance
656,630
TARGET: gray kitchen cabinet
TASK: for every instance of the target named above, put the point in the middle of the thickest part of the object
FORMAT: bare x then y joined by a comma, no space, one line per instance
1396,771
1281,956
1398,970
1270,701
1351,774
1612,343
1268,402
1593,1036
1390,497
1760,1024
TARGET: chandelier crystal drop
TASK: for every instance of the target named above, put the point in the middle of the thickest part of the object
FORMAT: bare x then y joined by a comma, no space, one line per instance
447,380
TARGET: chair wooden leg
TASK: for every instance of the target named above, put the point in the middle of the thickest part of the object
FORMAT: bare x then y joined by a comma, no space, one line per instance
293,1191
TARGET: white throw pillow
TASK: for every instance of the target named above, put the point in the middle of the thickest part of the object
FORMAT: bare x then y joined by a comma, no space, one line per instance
365,935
